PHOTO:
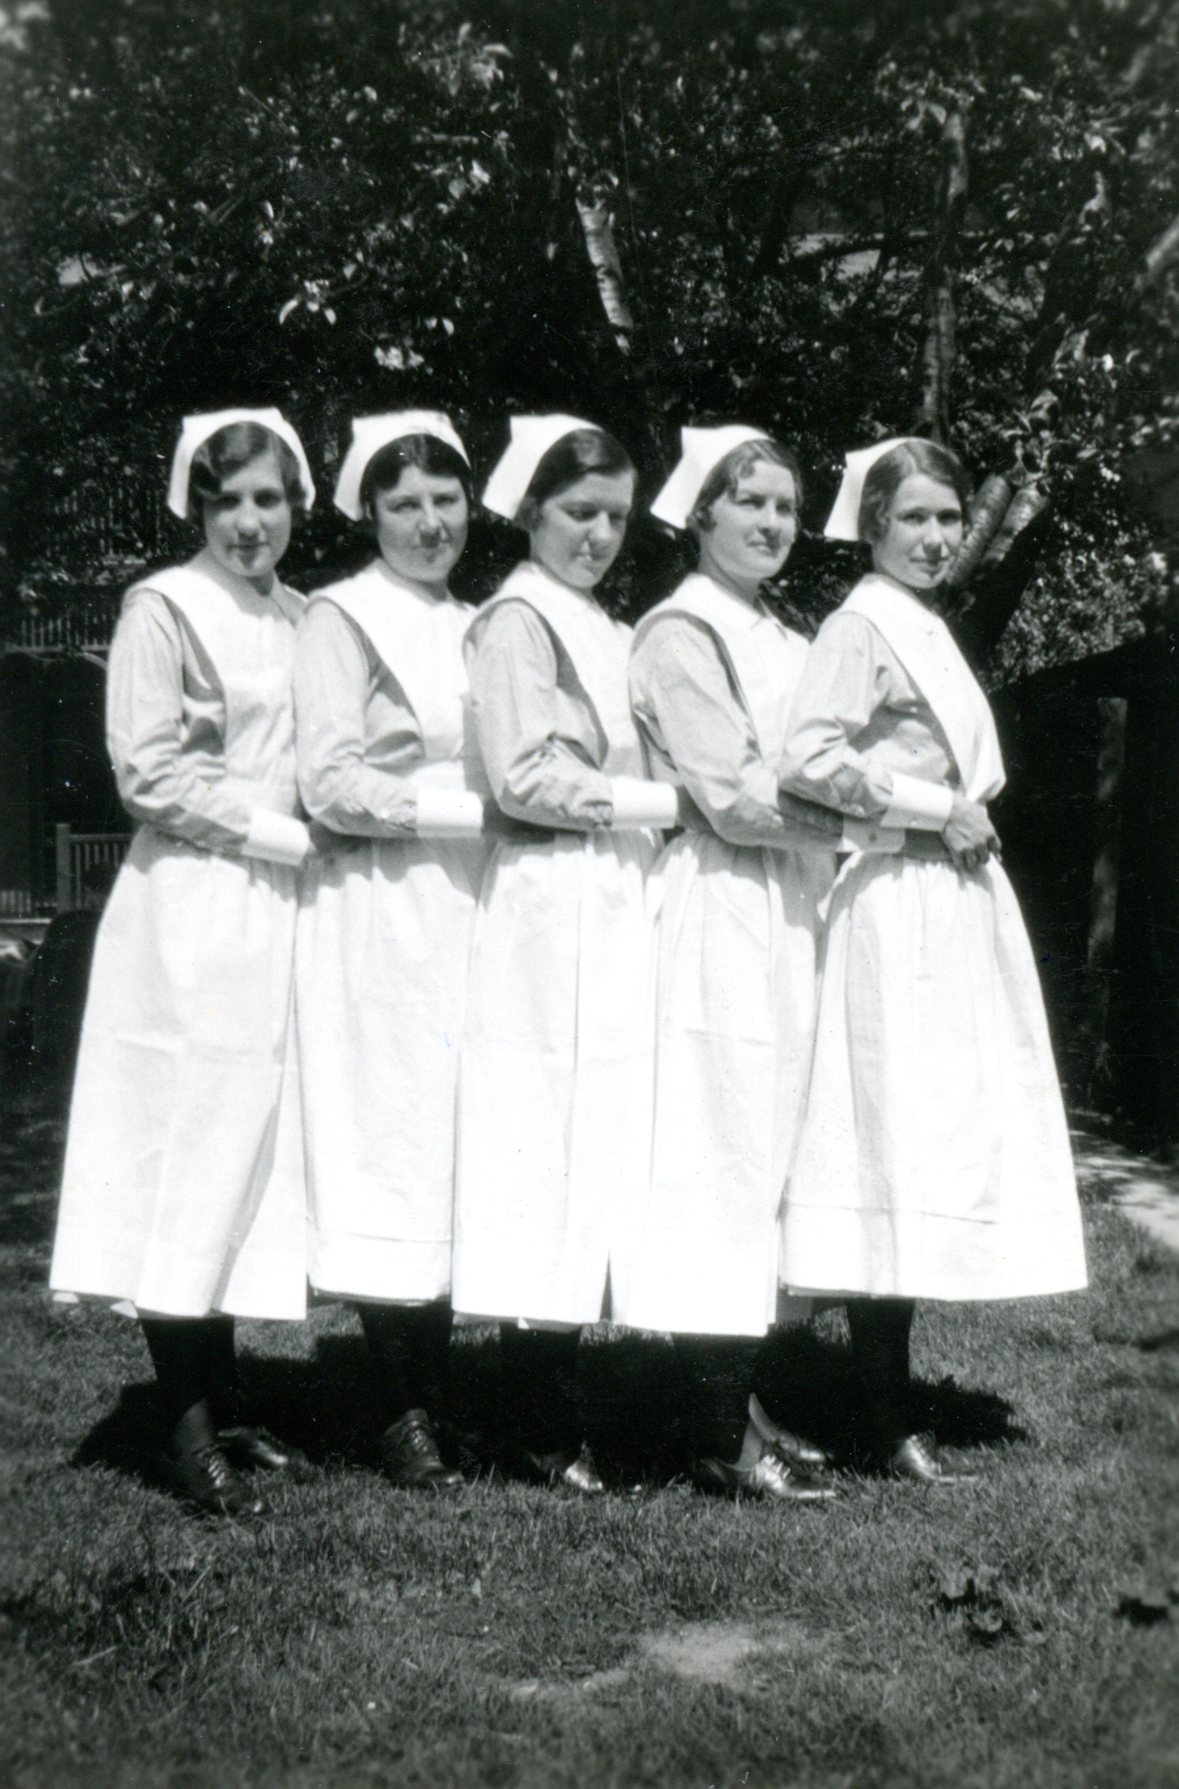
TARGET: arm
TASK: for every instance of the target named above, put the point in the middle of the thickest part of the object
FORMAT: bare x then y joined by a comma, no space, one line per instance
158,782
338,787
683,686
535,775
843,684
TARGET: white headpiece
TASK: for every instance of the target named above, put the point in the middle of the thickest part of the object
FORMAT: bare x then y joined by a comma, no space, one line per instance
371,433
844,521
196,430
700,451
531,438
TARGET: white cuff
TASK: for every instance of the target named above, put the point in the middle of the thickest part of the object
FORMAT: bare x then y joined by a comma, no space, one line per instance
871,836
638,803
276,838
448,813
916,803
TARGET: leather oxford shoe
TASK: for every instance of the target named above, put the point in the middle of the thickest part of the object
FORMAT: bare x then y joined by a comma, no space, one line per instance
246,1444
769,1476
577,1471
793,1450
915,1460
410,1457
202,1474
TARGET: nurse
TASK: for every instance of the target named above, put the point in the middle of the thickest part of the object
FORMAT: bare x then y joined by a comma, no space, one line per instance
934,1159
742,894
386,752
552,1058
183,1194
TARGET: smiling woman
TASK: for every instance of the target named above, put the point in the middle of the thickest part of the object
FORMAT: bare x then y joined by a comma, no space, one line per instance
934,1159
385,755
182,1195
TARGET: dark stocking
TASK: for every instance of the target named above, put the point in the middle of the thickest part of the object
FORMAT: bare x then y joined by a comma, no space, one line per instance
409,1345
539,1372
194,1362
717,1374
880,1349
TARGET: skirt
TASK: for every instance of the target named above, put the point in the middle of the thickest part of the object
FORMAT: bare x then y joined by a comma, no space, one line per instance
183,1189
934,1159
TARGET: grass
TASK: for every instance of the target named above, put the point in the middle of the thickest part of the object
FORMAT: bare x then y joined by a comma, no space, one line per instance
1021,1632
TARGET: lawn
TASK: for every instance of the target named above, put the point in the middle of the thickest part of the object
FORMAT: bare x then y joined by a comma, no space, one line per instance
1021,1632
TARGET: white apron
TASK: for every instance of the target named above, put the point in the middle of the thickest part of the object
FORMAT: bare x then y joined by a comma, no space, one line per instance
552,1058
736,945
934,1159
183,1186
383,947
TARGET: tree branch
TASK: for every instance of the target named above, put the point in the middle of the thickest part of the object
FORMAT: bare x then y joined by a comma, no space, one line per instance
598,229
941,344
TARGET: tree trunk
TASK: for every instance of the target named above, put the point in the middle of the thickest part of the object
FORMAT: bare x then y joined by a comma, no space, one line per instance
1103,892
598,230
941,336
986,513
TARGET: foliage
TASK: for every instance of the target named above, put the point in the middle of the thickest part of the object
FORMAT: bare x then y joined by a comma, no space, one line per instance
355,204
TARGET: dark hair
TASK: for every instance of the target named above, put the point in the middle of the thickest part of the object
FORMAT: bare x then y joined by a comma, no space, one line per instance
574,456
889,472
229,449
736,465
427,452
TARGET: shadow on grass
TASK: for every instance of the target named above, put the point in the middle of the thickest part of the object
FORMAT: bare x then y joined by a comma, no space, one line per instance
328,1407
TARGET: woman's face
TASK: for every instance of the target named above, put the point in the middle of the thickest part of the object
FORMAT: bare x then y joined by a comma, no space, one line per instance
248,524
753,528
578,531
421,525
922,533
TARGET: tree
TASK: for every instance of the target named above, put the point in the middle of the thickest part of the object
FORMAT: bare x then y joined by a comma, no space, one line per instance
840,219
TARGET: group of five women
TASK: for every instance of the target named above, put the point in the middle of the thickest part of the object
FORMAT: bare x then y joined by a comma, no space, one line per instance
400,994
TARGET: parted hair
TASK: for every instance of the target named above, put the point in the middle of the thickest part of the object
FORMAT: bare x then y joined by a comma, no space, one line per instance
728,472
427,452
229,449
574,456
885,477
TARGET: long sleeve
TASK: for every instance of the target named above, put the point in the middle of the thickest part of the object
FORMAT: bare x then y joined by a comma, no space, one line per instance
845,694
684,696
338,784
536,772
159,782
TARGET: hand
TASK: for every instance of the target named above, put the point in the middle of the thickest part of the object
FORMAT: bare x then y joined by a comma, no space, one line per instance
969,836
824,821
326,843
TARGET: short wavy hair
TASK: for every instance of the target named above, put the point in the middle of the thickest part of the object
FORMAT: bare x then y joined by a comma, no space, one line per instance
574,456
728,472
427,452
230,448
889,472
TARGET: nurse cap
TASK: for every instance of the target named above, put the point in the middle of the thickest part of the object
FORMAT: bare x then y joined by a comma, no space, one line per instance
196,430
531,437
844,521
700,451
371,433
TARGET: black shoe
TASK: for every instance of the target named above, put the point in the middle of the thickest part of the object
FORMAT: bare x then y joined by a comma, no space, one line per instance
201,1473
915,1460
410,1457
769,1476
793,1450
247,1444
577,1471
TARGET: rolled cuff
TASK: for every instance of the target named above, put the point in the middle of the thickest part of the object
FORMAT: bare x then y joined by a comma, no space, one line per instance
276,838
917,803
449,814
639,804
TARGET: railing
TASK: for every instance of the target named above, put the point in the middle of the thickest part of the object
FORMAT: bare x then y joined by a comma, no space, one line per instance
85,628
85,865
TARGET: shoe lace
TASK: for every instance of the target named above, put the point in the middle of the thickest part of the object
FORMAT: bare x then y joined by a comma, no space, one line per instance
214,1464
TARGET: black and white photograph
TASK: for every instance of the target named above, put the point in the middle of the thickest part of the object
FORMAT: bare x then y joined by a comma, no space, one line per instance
589,894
